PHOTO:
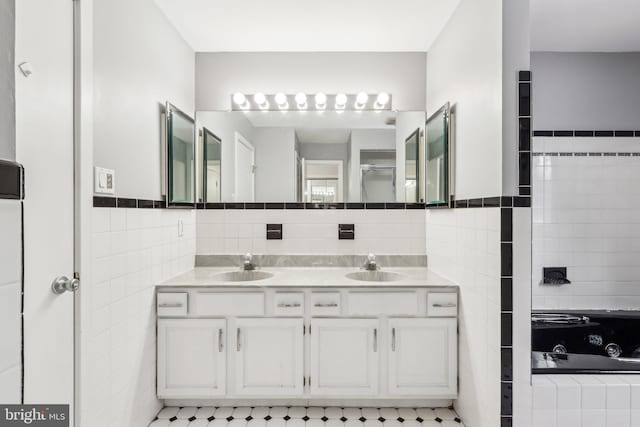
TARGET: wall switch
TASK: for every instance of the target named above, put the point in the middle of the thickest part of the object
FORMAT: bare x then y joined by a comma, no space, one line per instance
104,181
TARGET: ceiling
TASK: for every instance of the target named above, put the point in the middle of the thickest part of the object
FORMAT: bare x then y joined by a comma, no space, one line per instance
309,26
585,25
323,136
320,120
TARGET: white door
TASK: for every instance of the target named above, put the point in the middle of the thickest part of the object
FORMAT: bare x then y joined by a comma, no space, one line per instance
269,356
191,358
344,357
422,356
44,145
245,170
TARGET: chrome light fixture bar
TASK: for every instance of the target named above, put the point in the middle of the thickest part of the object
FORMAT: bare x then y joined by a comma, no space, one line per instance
311,102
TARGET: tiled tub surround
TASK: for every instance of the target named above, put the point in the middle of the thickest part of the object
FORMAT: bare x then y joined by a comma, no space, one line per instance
132,250
311,232
279,416
10,301
586,216
586,401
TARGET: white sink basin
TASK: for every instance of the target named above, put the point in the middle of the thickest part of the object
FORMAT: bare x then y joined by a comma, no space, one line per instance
375,276
242,276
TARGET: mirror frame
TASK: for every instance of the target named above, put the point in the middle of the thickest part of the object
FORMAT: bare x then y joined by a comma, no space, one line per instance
206,133
415,134
443,112
170,111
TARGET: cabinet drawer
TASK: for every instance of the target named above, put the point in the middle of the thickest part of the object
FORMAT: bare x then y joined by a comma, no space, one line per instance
383,303
288,304
442,304
172,304
325,303
229,304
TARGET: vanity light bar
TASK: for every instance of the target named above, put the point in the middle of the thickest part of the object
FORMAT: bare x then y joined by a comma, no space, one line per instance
311,102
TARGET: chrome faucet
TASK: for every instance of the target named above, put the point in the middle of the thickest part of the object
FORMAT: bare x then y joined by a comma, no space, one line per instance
248,264
370,264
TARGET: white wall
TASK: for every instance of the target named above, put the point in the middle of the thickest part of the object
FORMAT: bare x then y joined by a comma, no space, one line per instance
465,69
219,75
367,139
140,62
225,126
7,81
463,245
577,226
133,250
276,166
10,305
310,232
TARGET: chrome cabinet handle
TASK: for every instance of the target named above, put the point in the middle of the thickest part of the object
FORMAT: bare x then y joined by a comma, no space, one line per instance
393,339
330,304
444,305
296,304
238,339
170,305
220,345
375,340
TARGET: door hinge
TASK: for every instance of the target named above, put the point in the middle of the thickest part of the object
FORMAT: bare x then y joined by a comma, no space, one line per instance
304,329
76,275
304,381
309,381
309,328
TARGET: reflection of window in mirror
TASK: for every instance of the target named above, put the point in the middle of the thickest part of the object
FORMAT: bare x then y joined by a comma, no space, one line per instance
412,145
323,181
212,167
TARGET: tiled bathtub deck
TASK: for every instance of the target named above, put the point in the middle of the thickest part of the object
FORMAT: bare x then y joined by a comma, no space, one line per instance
298,416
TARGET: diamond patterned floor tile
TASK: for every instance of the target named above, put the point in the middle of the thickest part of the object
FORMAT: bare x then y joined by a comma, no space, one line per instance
278,412
186,412
241,412
445,413
297,412
160,423
333,412
371,413
389,413
352,413
199,423
205,412
218,422
223,412
168,412
260,412
315,412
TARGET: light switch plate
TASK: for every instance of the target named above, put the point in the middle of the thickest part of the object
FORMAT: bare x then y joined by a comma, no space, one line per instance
104,181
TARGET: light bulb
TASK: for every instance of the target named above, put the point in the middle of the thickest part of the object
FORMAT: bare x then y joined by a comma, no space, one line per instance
301,100
260,99
382,99
239,98
341,101
361,100
321,101
281,100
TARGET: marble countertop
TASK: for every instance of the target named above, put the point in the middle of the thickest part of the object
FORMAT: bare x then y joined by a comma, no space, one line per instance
307,277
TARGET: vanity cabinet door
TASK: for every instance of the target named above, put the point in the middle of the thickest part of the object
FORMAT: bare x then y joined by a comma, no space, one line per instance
269,356
423,357
344,357
191,358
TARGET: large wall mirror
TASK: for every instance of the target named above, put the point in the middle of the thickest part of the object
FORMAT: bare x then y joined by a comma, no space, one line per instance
438,158
180,158
310,156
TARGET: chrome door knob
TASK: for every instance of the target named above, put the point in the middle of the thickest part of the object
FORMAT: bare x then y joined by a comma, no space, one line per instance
63,284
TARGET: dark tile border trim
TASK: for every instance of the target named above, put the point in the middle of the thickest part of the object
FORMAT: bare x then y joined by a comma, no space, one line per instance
524,133
584,133
11,180
122,202
506,310
490,202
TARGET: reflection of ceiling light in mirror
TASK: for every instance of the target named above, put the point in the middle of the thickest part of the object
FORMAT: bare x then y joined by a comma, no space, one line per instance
382,100
260,99
301,101
281,100
361,100
321,101
341,101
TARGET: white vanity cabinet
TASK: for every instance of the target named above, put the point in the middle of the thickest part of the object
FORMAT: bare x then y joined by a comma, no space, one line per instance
269,356
344,357
422,356
191,358
307,344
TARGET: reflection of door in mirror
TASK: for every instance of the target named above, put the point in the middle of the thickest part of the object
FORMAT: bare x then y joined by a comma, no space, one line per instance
212,185
411,171
377,175
244,170
181,151
323,181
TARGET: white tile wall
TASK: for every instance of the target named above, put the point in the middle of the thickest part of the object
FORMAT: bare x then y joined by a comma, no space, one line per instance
310,231
586,216
132,250
464,246
10,272
586,400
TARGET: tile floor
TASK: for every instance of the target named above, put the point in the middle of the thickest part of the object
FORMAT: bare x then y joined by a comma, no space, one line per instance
299,416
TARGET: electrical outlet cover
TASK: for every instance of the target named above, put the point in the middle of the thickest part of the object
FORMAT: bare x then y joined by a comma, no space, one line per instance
104,181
